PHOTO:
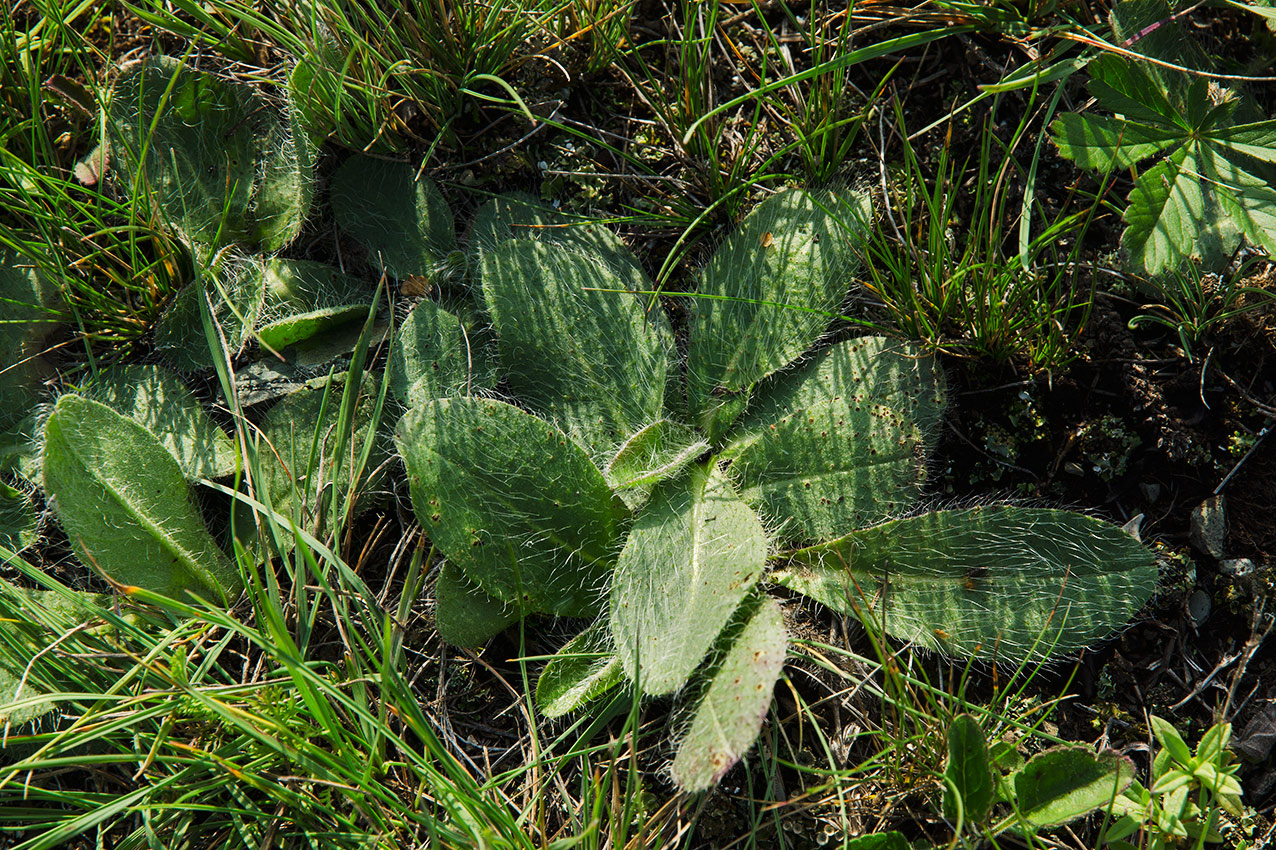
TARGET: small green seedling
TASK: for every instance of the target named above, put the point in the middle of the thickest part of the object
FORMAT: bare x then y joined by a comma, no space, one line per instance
661,497
1189,793
1050,789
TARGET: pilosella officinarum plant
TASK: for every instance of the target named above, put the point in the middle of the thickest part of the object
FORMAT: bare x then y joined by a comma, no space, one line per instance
655,481
660,495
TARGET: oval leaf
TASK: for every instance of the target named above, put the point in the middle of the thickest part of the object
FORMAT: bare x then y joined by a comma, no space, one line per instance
1063,784
741,682
583,670
517,216
403,222
593,361
464,614
217,162
125,505
767,295
513,502
236,288
432,356
696,536
156,399
969,775
993,582
18,520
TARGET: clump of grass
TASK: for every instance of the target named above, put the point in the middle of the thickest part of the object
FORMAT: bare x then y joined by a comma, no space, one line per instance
947,270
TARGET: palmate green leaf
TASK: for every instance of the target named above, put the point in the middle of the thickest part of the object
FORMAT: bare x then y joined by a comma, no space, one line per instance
403,221
694,552
1206,192
584,669
766,296
464,615
1100,143
513,502
432,356
1165,213
1247,203
218,162
593,361
741,681
124,503
156,399
838,442
993,582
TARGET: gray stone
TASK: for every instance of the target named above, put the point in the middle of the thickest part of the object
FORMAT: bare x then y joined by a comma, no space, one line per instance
1236,567
1209,527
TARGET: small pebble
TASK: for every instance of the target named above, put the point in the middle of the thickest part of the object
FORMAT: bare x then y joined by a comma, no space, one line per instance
1236,567
1209,527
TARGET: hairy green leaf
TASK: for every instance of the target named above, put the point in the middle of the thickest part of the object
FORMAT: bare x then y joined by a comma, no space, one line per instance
30,621
156,399
583,670
518,216
24,321
838,442
741,681
235,286
593,361
1065,783
464,614
219,164
124,503
969,775
308,467
433,356
766,295
659,451
18,520
692,556
403,221
994,582
305,298
513,502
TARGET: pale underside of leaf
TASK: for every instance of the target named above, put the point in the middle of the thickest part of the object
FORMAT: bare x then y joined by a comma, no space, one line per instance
583,670
693,553
729,715
993,582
